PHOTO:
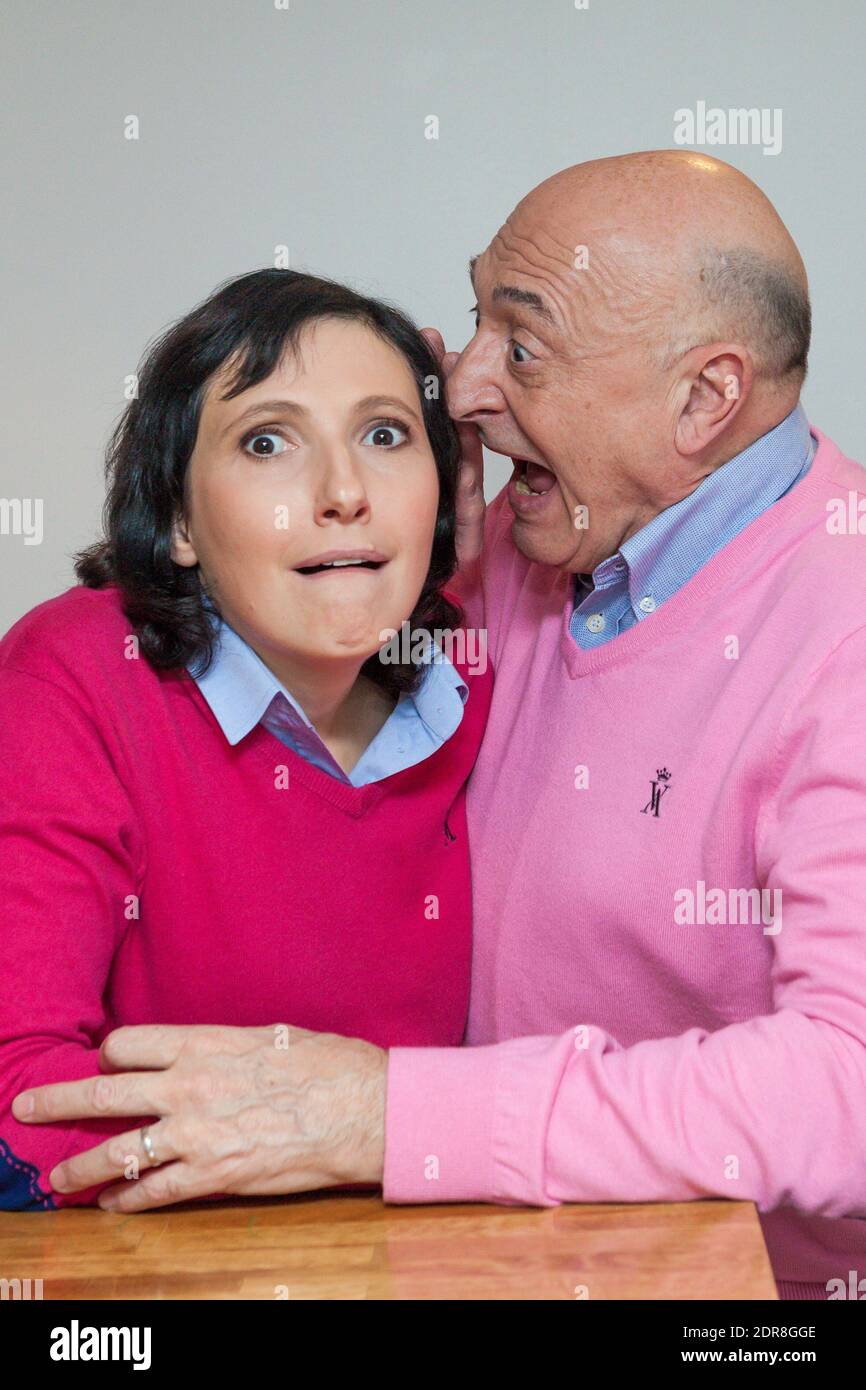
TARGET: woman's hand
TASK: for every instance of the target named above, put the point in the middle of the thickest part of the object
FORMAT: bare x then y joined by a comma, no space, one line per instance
470,486
252,1111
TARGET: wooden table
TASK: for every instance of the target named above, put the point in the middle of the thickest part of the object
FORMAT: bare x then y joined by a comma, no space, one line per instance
347,1246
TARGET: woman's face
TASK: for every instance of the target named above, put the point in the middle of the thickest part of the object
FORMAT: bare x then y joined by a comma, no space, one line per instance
328,454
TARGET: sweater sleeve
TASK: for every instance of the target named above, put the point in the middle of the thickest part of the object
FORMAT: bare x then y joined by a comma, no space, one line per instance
70,861
771,1109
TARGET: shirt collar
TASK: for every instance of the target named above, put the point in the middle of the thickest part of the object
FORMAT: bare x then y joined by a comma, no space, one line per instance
664,554
240,688
436,692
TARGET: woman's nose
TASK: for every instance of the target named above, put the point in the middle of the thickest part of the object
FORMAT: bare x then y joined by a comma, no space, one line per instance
341,490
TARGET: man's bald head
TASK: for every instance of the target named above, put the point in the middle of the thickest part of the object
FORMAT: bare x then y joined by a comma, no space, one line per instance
687,249
641,320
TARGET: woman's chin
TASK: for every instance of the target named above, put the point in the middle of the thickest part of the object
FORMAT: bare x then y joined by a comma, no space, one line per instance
342,647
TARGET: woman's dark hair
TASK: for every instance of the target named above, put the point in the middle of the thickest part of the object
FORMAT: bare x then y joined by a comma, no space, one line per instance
256,316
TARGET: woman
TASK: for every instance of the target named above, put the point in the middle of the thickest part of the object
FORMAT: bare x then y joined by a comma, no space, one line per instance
223,799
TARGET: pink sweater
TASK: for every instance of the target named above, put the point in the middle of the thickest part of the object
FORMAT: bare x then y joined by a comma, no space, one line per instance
151,872
634,1035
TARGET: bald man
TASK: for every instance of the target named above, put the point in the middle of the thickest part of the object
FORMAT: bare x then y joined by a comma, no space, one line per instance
668,814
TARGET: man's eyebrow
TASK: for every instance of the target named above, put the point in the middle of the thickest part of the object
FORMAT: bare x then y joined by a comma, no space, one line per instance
528,297
513,295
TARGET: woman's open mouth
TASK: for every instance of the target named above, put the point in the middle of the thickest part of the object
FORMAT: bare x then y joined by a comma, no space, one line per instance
343,562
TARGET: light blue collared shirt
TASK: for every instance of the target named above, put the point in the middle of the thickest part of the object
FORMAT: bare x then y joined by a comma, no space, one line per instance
660,558
242,692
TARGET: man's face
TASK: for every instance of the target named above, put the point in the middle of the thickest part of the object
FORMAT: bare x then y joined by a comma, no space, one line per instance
560,374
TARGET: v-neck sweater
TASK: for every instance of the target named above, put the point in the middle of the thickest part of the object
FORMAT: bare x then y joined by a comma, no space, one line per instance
642,1027
151,872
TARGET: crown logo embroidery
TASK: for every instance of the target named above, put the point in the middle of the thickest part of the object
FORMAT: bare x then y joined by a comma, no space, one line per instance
659,785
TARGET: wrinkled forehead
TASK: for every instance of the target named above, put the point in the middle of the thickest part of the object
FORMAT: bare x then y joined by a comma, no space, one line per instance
606,284
529,267
527,245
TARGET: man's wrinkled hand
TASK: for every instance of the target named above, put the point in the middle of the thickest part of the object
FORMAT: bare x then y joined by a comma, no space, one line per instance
251,1111
470,487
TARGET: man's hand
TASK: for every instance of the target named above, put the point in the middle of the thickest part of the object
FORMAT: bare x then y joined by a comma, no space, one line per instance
470,487
252,1111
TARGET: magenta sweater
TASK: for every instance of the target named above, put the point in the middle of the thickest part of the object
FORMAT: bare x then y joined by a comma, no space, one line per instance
150,872
645,1025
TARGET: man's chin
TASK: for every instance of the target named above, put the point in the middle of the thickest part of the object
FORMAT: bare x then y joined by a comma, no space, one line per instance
541,546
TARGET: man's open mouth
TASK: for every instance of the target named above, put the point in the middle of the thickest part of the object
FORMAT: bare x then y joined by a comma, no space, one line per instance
533,479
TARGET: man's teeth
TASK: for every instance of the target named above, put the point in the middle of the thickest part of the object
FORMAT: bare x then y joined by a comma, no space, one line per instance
522,486
332,564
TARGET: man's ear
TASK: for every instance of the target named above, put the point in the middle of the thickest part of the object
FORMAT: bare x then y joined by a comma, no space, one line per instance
182,548
718,378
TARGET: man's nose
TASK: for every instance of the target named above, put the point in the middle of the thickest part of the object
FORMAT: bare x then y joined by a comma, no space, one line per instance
472,390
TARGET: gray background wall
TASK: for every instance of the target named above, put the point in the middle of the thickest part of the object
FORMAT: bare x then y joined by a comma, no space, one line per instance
305,126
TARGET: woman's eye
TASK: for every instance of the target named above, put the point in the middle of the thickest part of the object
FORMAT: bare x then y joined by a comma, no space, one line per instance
386,436
518,347
270,441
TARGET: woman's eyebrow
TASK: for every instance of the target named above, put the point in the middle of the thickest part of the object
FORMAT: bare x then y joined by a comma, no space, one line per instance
287,407
387,403
268,408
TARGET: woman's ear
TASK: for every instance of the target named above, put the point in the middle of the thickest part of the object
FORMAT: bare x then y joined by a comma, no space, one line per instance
182,548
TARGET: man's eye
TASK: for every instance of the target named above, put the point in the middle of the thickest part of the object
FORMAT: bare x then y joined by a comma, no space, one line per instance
518,347
474,310
386,435
270,441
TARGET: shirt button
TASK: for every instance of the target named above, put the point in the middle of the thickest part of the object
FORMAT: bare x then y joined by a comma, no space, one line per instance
647,604
595,622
